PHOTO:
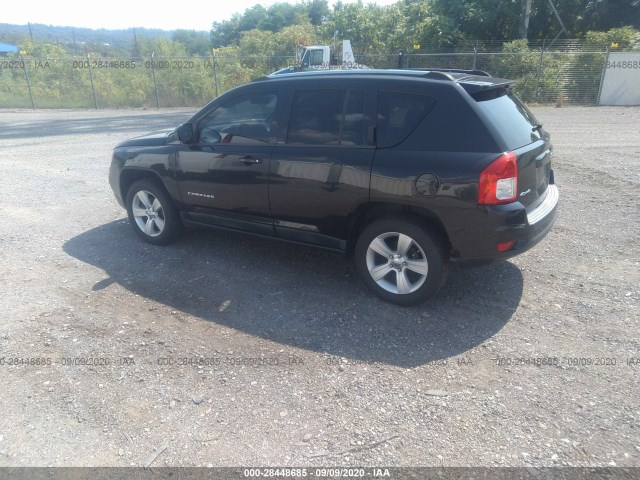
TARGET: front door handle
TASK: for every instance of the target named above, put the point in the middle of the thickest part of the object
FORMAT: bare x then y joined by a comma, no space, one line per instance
249,160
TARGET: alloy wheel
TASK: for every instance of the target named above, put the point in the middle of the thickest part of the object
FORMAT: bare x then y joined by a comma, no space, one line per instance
397,263
148,213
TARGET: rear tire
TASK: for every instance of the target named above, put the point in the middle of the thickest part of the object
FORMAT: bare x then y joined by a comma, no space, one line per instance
401,261
152,214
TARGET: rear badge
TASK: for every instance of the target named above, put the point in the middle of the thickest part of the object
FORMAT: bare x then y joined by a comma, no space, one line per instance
525,192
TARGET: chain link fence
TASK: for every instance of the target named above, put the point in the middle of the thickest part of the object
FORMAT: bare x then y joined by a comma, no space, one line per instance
541,77
87,82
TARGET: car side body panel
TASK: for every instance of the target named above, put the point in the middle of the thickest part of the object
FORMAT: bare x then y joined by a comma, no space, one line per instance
322,195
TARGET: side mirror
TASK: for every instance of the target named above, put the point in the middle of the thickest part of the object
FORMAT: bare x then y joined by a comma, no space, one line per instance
185,133
210,135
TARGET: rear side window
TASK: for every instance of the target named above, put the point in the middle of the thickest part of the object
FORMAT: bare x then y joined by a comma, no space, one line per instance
515,123
399,114
327,117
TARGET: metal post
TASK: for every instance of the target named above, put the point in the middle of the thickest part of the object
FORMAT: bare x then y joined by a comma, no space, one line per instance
401,60
539,70
604,69
93,88
155,83
26,76
475,55
215,76
562,27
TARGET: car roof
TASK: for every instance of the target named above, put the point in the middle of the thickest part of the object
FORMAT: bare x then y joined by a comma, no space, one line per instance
472,80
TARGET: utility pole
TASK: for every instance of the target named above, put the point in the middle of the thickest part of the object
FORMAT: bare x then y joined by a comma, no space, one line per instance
562,27
136,50
524,27
30,32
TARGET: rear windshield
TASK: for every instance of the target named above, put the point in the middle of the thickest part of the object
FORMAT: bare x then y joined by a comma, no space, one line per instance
508,114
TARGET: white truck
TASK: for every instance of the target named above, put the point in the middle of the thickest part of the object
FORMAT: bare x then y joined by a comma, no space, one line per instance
319,57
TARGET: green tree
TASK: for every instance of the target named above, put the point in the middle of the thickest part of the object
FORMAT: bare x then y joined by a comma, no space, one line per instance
478,19
627,38
273,19
194,42
501,19
280,15
283,43
290,38
253,18
609,14
360,23
226,32
317,11
424,25
257,42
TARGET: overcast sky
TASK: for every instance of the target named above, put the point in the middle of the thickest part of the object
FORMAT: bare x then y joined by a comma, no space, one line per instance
113,14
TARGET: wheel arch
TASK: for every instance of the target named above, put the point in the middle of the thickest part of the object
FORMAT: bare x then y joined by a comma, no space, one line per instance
129,176
371,212
172,226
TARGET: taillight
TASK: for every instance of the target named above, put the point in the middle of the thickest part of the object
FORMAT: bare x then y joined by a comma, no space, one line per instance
499,181
506,246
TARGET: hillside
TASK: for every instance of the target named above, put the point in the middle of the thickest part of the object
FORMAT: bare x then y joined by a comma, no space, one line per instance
70,36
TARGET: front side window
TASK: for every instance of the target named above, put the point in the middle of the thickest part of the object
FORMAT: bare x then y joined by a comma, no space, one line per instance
399,114
313,58
245,120
327,117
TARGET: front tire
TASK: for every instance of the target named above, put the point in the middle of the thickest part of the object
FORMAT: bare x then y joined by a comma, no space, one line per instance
401,261
152,214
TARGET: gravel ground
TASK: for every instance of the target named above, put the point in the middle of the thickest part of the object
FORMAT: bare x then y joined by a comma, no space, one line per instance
342,378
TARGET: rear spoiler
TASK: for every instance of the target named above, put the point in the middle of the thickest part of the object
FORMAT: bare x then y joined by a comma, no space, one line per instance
473,81
474,84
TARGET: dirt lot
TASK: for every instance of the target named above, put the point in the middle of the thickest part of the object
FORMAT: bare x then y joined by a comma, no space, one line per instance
299,363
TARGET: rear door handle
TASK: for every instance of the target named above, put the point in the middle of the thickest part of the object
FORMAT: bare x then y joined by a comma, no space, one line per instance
249,160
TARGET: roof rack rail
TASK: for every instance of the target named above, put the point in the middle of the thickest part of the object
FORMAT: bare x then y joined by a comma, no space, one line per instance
480,73
438,75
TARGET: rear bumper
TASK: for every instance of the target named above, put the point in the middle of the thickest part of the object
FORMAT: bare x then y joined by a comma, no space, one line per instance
548,205
506,223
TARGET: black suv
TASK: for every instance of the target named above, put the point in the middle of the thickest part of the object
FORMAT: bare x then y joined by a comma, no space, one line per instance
404,170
